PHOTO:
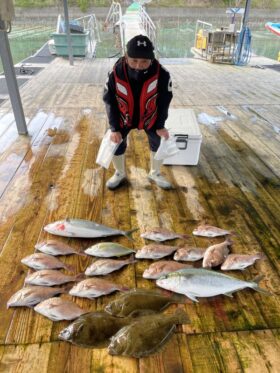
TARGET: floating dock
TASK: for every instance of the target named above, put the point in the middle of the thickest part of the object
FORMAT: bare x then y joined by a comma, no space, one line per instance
51,174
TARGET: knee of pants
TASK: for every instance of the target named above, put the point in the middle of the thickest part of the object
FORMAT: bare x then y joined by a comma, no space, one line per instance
121,148
154,140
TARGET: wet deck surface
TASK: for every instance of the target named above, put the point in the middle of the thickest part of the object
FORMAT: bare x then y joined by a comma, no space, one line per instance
51,174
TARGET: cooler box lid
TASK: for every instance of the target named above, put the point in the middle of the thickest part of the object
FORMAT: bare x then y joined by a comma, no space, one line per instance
182,122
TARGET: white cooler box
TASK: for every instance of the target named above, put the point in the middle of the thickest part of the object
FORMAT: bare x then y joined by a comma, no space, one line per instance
183,125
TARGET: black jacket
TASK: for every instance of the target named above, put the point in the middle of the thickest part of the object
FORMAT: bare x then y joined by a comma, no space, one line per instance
163,100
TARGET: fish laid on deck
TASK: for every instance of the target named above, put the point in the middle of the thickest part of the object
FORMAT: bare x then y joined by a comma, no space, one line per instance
210,231
105,266
95,287
189,254
239,261
52,247
146,335
162,268
84,229
196,282
93,329
50,277
32,295
161,234
43,261
133,302
57,309
155,251
108,250
216,254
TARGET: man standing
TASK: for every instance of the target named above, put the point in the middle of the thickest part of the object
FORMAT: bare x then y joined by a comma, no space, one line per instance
137,94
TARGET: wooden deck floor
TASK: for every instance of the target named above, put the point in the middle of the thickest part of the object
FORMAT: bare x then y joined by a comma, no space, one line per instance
51,174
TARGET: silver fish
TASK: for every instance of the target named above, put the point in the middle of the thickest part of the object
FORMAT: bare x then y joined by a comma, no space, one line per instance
210,231
189,254
52,247
162,268
95,287
105,266
237,261
84,229
108,249
161,234
32,295
216,254
50,277
155,251
197,282
57,309
43,261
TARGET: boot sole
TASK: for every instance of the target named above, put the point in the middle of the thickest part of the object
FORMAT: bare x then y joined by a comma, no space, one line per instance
162,187
121,183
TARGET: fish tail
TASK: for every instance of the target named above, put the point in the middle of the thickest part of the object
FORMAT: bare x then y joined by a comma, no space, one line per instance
180,317
80,276
123,288
260,256
128,234
81,253
69,267
256,287
131,260
185,236
228,239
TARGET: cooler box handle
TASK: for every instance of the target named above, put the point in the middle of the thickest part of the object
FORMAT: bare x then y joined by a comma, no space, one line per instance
182,142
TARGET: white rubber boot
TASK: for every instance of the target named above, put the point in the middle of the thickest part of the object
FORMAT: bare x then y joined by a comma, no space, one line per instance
155,175
120,175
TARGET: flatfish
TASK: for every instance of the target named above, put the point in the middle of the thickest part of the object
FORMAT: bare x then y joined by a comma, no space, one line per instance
146,335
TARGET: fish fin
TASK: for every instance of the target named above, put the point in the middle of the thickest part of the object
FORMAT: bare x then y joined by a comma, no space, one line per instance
192,297
81,253
128,234
182,317
80,276
229,294
69,267
256,287
123,288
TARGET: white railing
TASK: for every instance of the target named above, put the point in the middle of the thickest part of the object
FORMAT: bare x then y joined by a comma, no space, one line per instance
90,25
114,20
148,25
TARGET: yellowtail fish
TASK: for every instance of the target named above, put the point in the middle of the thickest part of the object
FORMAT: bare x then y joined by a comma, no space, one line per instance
189,254
52,247
196,283
95,287
57,309
104,266
163,267
238,261
146,335
210,231
50,277
161,234
155,251
84,229
216,254
43,261
32,295
108,250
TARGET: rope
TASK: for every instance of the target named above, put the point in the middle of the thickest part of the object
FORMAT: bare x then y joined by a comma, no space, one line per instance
242,54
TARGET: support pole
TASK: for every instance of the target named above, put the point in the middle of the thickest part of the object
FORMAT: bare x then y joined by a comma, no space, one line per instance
244,24
69,40
11,80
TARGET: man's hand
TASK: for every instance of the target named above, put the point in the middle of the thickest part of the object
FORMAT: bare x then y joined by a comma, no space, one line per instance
116,137
163,133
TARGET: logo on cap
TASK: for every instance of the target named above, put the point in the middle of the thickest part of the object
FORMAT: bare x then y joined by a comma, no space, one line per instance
141,43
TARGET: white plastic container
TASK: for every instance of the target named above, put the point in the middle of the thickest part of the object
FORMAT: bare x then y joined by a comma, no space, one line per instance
106,151
183,125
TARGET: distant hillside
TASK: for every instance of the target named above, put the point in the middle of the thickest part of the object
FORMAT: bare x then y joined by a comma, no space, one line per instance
85,4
